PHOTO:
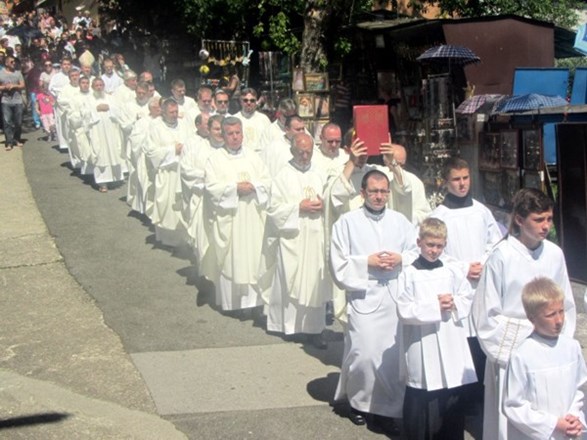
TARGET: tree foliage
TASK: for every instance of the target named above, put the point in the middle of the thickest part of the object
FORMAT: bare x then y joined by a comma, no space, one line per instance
560,12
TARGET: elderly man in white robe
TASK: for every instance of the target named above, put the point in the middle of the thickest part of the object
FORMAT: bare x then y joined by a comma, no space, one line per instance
300,281
167,136
254,122
145,173
238,186
105,138
328,156
369,246
56,84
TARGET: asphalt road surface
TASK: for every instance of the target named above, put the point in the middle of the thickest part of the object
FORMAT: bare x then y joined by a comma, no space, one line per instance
213,376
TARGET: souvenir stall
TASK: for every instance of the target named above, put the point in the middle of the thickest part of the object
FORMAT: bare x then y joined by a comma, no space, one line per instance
274,80
222,59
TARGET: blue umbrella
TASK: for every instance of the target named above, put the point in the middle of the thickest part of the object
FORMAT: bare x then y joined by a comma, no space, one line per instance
449,54
531,101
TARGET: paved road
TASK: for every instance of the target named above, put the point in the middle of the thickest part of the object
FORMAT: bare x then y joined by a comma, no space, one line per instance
213,376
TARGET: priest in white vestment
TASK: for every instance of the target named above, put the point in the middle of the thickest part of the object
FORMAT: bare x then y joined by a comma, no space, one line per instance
498,313
192,166
167,136
277,154
328,156
105,138
275,131
56,84
64,101
369,246
80,122
144,173
254,122
300,285
133,110
186,106
414,204
238,187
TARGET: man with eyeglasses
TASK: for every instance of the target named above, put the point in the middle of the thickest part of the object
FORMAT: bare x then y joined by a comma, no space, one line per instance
254,122
11,86
368,247
221,100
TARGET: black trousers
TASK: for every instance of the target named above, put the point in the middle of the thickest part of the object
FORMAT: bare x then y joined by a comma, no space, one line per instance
434,415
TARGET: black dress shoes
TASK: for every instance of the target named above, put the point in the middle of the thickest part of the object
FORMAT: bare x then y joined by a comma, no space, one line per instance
356,417
318,341
386,425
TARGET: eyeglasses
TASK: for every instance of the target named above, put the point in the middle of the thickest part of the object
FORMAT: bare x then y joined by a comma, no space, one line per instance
372,192
221,102
250,101
333,141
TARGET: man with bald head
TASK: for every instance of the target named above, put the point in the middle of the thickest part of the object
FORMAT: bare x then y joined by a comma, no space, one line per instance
412,203
297,276
329,157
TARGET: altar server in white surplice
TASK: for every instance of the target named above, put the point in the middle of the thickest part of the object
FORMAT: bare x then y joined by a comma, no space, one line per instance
238,187
434,301
544,393
105,138
497,311
167,137
344,193
368,248
300,287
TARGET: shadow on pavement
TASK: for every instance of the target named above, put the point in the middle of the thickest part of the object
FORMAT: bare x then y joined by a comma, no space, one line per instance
34,419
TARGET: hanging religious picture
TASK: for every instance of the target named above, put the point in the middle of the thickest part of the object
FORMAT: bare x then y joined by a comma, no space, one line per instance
316,82
298,80
322,105
305,105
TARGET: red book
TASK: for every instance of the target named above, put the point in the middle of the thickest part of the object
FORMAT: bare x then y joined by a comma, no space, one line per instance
371,124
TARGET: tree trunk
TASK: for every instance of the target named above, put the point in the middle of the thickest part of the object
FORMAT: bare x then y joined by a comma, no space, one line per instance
313,56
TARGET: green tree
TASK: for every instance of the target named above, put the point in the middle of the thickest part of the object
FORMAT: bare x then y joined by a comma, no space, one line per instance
560,12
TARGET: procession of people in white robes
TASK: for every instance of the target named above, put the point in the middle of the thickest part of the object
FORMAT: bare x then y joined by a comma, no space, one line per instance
238,202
